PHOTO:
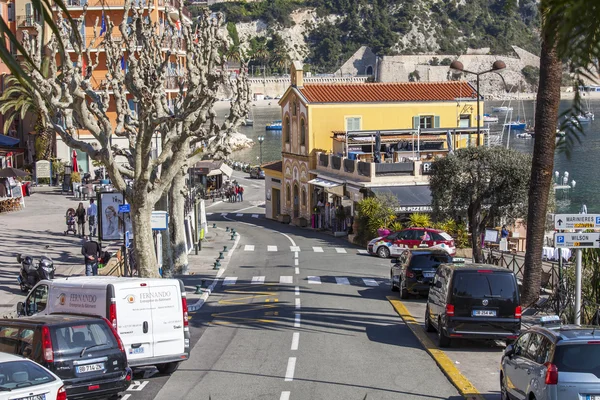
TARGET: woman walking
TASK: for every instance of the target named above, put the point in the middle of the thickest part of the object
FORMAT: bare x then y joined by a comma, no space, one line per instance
80,215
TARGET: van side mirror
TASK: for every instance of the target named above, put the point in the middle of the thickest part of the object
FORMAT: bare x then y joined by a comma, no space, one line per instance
395,260
438,284
509,351
20,308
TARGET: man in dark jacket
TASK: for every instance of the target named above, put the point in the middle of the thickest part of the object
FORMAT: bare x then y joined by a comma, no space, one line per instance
91,253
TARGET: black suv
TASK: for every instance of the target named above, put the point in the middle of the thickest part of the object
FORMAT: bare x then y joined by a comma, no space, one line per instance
85,352
475,301
413,270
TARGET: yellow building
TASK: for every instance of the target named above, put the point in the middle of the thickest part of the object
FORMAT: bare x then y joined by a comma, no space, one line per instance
331,133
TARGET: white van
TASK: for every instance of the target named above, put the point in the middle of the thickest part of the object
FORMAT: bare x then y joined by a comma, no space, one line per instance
150,315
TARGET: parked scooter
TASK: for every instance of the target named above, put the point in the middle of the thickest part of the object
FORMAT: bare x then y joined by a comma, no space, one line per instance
32,271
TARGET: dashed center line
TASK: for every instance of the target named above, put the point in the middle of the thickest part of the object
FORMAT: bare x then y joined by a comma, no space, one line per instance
318,249
230,280
271,248
297,271
285,396
286,279
295,340
295,248
289,373
297,303
314,279
296,261
257,280
370,282
342,281
249,247
297,290
297,321
340,250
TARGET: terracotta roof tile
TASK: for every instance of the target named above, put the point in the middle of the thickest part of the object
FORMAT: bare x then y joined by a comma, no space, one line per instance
387,92
273,166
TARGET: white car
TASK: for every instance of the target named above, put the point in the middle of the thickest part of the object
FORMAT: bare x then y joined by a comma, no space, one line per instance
21,378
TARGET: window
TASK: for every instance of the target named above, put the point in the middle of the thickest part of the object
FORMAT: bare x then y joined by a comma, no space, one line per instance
426,121
302,133
288,193
303,197
580,358
38,300
478,286
538,349
11,13
294,108
353,123
286,129
23,373
429,261
521,344
72,339
465,121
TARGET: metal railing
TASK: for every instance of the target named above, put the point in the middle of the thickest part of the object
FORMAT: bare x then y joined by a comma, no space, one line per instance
27,20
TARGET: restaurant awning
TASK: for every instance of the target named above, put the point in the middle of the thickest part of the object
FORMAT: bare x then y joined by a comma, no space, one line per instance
8,141
329,186
413,198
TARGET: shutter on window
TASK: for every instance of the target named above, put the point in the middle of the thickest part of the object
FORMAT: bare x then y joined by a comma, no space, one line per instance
28,12
416,122
436,121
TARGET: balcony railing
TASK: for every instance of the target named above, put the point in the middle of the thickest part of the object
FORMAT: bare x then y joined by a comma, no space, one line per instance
27,20
394,168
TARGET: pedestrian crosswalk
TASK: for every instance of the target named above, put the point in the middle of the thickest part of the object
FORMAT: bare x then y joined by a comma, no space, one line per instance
309,280
298,249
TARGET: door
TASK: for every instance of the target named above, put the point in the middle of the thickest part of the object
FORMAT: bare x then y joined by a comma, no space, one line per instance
413,238
167,318
134,321
276,203
296,202
514,367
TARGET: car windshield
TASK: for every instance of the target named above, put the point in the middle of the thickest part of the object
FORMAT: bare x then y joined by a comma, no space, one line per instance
428,261
485,285
582,358
20,374
79,338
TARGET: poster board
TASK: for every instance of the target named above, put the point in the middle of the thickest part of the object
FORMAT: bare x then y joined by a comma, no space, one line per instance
112,224
43,169
491,236
189,245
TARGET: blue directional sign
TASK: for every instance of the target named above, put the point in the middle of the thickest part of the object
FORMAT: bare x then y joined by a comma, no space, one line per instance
597,220
124,208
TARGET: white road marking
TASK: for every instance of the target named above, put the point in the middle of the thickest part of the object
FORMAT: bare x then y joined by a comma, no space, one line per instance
208,215
340,250
286,279
214,204
294,248
314,279
297,290
289,373
342,281
295,254
271,248
239,215
297,271
231,280
296,261
288,237
285,396
370,282
318,249
137,386
254,215
257,280
224,214
295,340
297,321
125,396
362,252
249,247
297,303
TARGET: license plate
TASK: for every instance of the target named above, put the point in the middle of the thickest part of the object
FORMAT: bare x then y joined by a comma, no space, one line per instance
485,313
138,350
428,274
36,397
90,368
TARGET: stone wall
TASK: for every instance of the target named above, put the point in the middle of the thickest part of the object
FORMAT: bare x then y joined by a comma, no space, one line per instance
359,63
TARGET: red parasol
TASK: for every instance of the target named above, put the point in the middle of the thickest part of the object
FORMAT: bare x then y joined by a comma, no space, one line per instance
75,167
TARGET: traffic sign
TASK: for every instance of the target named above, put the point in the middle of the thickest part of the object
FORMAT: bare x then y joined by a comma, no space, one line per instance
124,208
576,221
577,240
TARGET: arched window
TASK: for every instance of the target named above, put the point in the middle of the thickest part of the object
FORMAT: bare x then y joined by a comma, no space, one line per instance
303,197
286,129
369,70
288,193
294,108
302,132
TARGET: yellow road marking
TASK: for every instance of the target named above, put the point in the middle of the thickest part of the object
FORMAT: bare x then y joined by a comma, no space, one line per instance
464,386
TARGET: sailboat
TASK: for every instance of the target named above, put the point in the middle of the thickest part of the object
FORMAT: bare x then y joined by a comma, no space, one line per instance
518,124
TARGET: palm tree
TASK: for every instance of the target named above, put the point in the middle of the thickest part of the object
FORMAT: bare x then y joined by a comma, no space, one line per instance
18,101
570,29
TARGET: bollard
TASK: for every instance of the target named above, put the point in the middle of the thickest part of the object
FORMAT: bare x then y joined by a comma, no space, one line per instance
217,264
226,229
220,256
233,236
224,249
198,289
214,226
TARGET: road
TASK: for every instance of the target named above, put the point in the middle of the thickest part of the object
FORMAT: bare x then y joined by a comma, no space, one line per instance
297,315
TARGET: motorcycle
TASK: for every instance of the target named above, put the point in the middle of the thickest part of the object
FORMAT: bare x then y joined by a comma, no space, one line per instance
32,271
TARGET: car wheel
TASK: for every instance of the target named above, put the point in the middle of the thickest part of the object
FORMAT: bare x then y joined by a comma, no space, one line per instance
403,292
503,390
383,252
443,340
168,368
394,287
428,326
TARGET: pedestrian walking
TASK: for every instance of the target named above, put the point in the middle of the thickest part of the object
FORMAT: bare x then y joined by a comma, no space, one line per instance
80,216
233,195
92,213
241,193
91,253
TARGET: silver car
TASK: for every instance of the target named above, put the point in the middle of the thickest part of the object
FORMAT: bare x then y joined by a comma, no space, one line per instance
561,363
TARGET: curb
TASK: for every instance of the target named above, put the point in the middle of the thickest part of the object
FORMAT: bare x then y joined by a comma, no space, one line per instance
207,292
462,384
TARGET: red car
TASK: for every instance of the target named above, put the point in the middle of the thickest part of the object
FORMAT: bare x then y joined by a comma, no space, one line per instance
410,238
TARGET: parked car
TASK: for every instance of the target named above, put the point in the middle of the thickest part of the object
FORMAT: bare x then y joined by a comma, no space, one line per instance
560,363
257,173
413,271
84,351
267,97
22,379
475,301
150,315
411,238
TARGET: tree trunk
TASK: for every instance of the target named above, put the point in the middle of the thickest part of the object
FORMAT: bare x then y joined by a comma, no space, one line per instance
474,222
167,251
542,168
145,258
178,195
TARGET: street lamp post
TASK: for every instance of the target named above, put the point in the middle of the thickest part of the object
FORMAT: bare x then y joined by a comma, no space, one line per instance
496,66
261,139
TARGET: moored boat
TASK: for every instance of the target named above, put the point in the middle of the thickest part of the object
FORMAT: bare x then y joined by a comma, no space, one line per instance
487,118
274,126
